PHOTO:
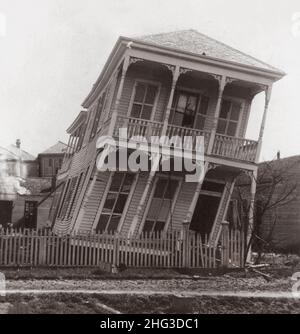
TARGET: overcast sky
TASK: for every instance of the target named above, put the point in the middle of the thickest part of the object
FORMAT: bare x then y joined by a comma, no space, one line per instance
52,51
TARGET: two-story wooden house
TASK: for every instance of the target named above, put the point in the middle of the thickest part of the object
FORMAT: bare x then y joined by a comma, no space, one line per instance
172,84
50,161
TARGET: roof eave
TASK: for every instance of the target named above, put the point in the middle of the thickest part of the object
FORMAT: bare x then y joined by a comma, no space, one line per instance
123,40
77,122
90,98
277,74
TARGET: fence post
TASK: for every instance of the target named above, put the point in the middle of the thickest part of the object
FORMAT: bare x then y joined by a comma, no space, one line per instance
116,243
185,244
42,248
225,244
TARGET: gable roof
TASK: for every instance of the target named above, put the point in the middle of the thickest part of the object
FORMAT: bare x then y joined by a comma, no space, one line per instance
58,148
195,42
12,152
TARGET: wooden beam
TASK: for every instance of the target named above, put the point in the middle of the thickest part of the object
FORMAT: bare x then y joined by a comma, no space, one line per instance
268,93
193,204
222,84
175,76
136,219
251,212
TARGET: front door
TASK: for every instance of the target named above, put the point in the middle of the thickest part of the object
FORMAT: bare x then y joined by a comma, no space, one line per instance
30,214
5,212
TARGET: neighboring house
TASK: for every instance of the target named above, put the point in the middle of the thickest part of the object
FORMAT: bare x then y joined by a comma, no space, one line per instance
280,226
50,161
18,162
25,198
174,84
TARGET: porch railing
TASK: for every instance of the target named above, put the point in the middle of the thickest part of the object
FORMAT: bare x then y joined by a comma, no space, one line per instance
224,146
190,144
137,127
235,148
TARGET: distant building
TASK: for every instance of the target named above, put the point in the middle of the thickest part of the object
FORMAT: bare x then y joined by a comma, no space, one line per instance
282,224
26,185
50,161
17,162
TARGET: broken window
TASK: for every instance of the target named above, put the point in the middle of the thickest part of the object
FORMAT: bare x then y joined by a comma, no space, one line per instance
115,202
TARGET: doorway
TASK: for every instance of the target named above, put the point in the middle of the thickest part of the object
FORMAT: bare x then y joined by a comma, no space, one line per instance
30,214
5,212
205,214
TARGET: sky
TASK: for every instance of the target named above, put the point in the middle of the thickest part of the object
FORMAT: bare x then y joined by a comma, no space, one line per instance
52,51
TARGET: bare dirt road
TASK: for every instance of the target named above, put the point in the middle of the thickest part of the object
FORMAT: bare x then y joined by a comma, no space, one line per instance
225,294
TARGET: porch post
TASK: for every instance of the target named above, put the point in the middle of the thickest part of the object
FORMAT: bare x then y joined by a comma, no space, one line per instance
185,244
193,204
119,95
139,210
175,74
268,93
225,244
222,84
251,212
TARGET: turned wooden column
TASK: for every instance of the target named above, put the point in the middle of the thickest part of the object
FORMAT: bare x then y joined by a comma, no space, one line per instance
222,84
268,93
193,204
136,219
175,73
119,95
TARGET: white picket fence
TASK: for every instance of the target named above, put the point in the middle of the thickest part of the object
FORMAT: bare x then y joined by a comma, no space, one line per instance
175,249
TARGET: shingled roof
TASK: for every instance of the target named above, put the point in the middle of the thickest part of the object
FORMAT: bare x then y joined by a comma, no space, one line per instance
58,148
12,152
197,43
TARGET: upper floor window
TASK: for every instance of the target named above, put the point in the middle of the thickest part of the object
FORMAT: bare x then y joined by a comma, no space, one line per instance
161,205
145,95
189,110
115,202
229,118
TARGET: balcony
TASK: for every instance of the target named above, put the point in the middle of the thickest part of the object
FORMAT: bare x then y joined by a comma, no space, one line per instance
234,148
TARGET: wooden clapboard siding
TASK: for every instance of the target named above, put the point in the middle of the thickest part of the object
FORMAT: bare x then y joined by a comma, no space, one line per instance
91,202
183,202
77,194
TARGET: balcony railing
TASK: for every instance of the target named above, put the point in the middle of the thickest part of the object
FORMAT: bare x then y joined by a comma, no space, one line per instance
137,127
174,130
224,146
235,148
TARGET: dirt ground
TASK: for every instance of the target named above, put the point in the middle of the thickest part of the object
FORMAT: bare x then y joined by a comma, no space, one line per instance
82,291
140,304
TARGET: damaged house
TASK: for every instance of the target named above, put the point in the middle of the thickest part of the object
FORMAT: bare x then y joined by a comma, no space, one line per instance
174,85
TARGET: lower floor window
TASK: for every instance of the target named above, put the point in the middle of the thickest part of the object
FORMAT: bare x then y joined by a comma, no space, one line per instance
161,205
115,202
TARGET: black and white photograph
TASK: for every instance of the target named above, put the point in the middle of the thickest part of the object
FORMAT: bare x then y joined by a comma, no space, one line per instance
149,160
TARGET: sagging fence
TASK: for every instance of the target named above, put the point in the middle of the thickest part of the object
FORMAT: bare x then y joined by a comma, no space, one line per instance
175,249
